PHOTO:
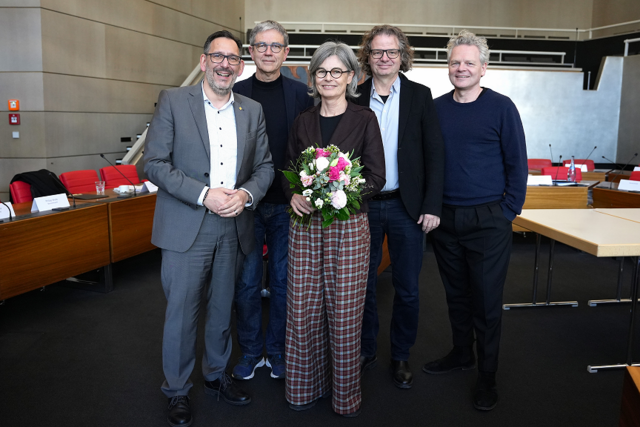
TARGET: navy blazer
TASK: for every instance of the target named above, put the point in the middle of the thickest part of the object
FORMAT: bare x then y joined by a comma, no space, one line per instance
420,148
296,96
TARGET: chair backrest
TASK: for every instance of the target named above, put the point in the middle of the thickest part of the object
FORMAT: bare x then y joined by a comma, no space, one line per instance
635,176
590,164
113,178
539,163
560,173
20,192
83,181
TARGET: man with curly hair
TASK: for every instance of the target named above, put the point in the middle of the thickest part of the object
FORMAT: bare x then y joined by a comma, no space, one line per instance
410,203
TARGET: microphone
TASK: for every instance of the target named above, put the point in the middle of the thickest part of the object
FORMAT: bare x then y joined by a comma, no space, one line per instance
10,216
551,152
594,149
124,176
558,170
623,168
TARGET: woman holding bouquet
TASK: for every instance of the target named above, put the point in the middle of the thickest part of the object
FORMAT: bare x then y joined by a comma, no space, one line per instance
327,273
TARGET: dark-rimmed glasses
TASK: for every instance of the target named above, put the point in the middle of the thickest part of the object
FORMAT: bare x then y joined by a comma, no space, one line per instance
262,47
391,53
217,58
336,73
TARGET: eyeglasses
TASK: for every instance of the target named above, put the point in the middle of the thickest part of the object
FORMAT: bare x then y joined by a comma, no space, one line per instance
262,47
336,73
217,58
391,53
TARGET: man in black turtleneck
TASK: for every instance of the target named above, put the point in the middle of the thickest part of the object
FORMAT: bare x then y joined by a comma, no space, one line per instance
282,99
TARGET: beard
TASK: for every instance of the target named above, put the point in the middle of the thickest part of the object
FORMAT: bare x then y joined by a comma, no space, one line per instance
218,89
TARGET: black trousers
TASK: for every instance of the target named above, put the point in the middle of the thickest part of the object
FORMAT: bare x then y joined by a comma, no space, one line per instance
473,247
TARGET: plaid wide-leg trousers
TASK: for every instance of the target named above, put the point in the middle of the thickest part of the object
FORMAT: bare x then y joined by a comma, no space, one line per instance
327,281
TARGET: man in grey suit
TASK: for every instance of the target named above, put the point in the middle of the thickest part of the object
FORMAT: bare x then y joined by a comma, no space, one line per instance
208,153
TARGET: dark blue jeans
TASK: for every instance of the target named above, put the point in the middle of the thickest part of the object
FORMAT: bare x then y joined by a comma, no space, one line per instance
404,240
272,220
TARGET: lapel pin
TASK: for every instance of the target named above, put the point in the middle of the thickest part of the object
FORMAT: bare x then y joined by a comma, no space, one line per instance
239,108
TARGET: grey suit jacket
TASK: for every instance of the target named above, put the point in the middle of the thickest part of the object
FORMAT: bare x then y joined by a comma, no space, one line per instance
177,160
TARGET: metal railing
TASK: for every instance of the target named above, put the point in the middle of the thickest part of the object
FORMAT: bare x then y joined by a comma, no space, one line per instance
626,45
134,155
303,52
450,30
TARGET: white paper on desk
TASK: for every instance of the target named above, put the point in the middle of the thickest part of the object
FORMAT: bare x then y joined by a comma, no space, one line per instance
4,210
46,203
637,168
583,168
539,180
628,185
148,187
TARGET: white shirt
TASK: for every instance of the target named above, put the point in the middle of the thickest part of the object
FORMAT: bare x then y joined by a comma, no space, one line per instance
223,146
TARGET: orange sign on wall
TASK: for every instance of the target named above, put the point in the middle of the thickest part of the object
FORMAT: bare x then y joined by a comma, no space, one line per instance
14,105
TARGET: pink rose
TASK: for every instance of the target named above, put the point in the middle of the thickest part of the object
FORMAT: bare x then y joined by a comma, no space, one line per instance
342,163
334,173
345,178
321,153
307,180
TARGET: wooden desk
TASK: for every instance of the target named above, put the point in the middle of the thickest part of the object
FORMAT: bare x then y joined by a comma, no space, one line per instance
45,249
593,231
604,197
555,197
72,242
130,224
630,407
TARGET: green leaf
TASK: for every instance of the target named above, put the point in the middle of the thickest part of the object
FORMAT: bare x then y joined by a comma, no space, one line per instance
327,222
343,214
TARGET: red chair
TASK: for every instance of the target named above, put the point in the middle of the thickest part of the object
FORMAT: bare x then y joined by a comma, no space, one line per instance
113,178
83,181
590,165
560,173
635,176
20,192
539,163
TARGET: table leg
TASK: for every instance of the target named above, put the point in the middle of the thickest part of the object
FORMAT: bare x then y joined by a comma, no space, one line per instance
104,283
634,303
548,302
618,299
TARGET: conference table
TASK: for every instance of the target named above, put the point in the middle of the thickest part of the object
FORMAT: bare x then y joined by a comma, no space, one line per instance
39,249
599,232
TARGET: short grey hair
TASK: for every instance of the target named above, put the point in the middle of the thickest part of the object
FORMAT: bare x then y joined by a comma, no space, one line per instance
266,26
468,38
345,55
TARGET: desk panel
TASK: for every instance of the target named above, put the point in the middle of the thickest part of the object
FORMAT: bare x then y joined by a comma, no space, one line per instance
613,198
554,197
130,225
42,250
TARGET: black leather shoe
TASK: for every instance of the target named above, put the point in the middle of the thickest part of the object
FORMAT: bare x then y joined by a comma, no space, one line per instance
179,411
485,396
458,358
225,387
367,363
311,404
401,373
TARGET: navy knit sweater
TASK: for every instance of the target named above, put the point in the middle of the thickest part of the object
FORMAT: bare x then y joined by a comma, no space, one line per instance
485,152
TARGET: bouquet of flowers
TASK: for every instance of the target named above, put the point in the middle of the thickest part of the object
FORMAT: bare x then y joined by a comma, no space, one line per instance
330,180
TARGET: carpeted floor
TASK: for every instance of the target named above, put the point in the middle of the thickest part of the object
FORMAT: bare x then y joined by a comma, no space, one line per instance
70,357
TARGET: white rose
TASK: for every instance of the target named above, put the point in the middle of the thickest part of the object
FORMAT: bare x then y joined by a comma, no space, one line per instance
338,199
303,174
307,193
310,166
322,163
319,203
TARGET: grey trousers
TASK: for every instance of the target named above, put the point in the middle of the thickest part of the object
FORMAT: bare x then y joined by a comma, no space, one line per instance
206,271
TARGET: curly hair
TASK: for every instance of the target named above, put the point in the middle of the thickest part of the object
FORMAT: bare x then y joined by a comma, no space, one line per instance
389,30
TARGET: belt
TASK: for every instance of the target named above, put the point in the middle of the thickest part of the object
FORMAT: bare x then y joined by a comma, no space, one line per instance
387,195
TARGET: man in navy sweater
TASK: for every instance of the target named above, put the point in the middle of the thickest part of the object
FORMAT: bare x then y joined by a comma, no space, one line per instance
282,99
485,188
